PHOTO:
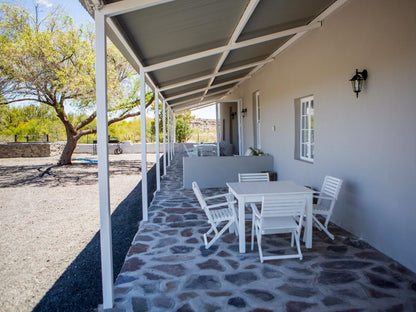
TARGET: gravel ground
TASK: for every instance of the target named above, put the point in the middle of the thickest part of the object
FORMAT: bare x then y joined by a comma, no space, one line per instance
49,240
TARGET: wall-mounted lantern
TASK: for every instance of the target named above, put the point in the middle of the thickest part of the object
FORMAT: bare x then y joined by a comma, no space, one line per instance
244,112
357,81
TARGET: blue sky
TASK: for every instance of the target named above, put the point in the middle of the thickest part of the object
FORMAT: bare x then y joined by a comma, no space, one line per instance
80,16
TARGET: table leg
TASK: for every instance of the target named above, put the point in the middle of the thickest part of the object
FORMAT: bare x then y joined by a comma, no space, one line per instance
242,225
308,226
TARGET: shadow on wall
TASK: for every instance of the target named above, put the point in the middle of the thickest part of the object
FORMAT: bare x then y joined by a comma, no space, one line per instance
79,287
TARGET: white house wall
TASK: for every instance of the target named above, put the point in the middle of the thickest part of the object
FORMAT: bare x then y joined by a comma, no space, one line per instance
369,142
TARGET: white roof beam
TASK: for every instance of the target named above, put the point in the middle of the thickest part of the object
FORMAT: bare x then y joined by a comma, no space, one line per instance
318,19
129,50
203,89
195,106
229,71
236,33
197,97
126,6
232,46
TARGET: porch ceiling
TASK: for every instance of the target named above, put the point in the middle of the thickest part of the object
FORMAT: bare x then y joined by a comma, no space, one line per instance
199,50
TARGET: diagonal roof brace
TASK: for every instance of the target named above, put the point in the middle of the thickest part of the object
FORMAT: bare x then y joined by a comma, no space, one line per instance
206,77
193,100
232,46
203,89
234,37
126,6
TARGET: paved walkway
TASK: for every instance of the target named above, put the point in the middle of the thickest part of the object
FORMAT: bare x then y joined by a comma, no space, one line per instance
168,268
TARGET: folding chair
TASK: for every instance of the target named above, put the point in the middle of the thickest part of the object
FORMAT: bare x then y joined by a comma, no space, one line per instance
279,214
326,202
253,177
216,214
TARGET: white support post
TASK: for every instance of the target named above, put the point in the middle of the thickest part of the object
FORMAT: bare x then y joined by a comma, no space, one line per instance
164,138
174,133
143,142
102,149
217,117
157,140
168,137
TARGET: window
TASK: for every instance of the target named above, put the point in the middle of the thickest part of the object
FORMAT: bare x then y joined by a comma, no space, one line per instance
306,131
257,124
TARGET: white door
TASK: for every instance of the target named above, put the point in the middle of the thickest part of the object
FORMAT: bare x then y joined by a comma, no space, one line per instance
257,116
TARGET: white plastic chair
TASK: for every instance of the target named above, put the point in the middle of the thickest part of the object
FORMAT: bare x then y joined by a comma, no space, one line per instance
326,202
279,214
216,213
253,177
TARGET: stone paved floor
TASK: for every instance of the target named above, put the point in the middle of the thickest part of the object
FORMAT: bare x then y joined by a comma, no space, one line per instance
168,268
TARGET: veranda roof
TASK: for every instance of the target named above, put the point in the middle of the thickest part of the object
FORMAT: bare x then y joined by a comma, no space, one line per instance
194,52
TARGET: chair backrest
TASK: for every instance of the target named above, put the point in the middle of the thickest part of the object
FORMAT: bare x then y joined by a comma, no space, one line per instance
253,177
198,195
331,187
283,205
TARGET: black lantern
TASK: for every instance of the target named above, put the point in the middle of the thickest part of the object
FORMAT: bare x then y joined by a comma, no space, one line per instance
244,112
357,81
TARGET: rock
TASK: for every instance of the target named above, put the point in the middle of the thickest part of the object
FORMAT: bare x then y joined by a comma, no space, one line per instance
241,278
171,269
260,294
237,302
211,264
139,304
304,292
203,282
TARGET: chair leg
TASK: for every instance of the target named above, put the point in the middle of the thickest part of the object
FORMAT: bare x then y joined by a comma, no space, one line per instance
297,238
252,235
258,235
217,234
321,227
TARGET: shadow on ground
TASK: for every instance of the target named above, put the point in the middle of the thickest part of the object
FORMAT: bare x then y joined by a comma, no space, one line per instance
75,174
79,287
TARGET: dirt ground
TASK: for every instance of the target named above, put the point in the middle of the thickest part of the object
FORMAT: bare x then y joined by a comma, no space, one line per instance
49,241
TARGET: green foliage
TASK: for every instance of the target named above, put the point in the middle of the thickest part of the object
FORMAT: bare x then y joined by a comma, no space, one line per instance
183,127
37,120
53,63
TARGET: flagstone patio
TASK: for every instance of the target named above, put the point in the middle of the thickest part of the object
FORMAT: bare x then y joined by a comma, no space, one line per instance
168,268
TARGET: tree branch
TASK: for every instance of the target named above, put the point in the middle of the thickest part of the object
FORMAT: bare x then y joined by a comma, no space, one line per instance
21,100
122,117
85,122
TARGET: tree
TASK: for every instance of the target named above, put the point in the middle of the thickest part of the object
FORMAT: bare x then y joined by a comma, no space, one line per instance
183,128
52,63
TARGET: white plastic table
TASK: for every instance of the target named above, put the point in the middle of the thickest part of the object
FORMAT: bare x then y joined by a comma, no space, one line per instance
246,192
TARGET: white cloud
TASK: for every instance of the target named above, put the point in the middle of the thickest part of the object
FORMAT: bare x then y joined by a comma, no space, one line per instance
44,3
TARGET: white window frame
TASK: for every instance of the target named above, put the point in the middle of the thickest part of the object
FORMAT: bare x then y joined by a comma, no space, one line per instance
307,131
257,116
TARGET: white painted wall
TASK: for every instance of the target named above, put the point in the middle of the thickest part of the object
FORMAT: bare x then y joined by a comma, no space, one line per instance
369,142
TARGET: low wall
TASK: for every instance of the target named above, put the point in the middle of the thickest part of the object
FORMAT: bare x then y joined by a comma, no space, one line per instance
127,147
30,149
213,171
13,150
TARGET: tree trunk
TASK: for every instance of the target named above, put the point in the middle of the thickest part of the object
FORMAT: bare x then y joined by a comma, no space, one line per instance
71,144
66,156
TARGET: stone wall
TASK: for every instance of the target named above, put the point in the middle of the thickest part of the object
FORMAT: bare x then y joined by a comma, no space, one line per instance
14,150
203,124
